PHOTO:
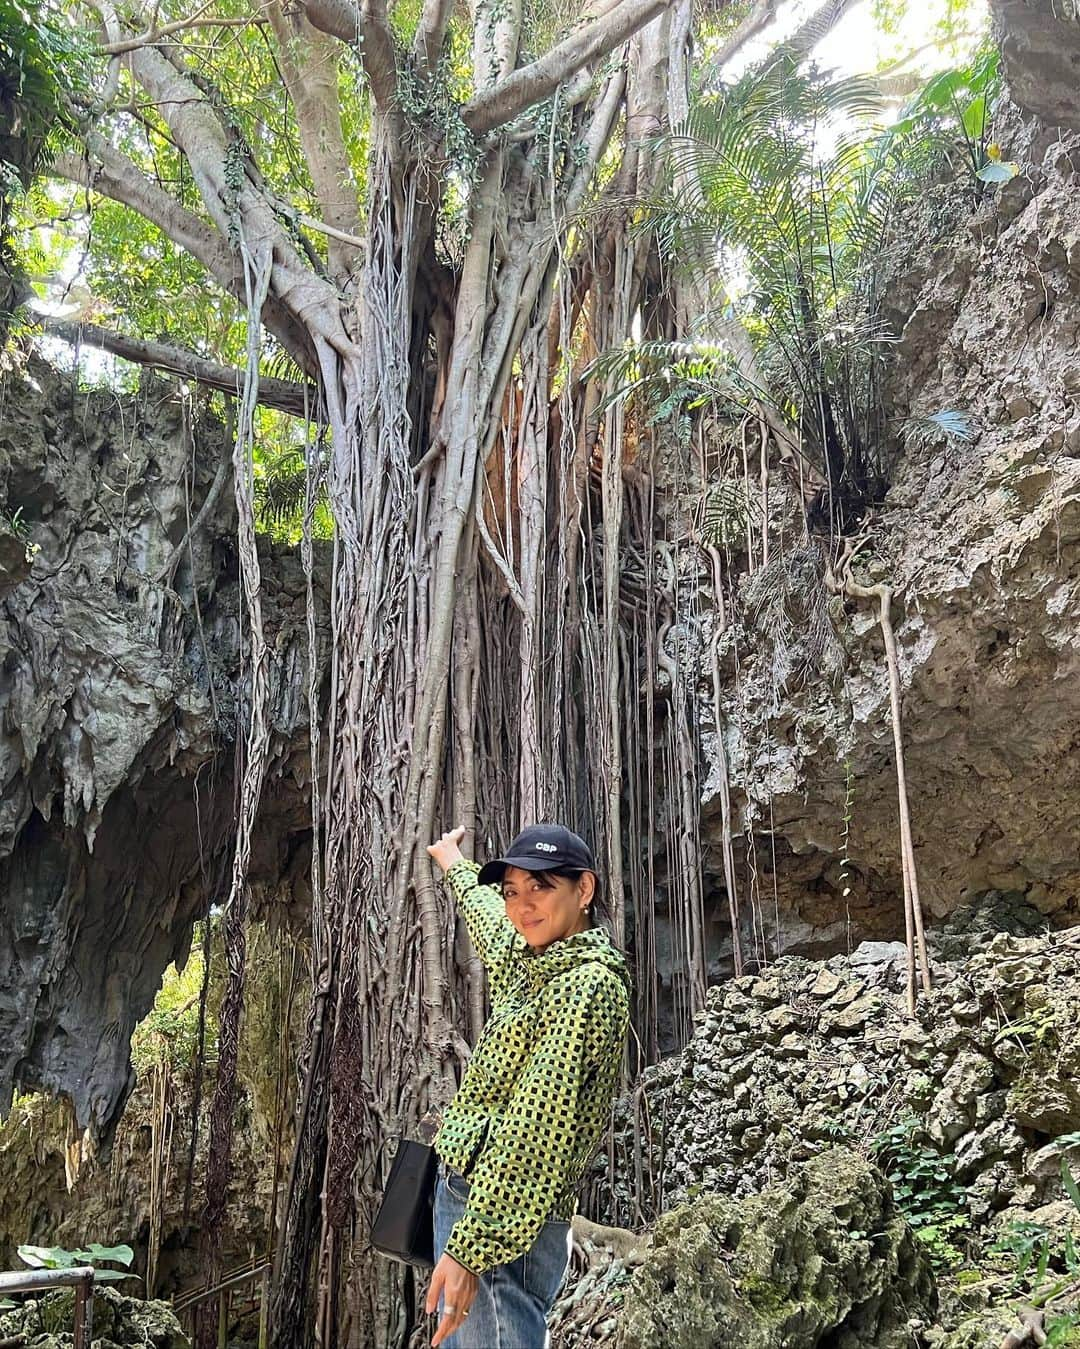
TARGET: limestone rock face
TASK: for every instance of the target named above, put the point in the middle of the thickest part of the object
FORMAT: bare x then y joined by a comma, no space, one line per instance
979,539
1046,1094
14,563
987,1073
1041,50
978,1090
119,1321
120,695
821,1259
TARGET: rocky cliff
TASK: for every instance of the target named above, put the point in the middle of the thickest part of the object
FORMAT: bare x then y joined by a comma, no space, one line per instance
979,537
1041,47
120,647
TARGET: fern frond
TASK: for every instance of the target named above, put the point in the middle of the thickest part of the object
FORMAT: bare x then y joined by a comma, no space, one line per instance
281,365
726,510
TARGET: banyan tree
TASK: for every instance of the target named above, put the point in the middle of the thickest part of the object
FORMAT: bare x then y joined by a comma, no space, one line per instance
429,218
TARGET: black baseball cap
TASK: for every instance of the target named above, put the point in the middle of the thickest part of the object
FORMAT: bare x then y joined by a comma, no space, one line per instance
541,847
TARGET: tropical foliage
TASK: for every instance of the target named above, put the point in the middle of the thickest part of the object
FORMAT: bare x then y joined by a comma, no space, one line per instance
780,191
58,1257
36,50
169,1033
36,71
779,195
950,119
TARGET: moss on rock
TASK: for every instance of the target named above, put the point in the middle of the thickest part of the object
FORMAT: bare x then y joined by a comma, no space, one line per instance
1046,1094
119,1322
821,1259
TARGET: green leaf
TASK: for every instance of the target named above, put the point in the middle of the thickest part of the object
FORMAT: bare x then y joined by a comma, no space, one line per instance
983,74
998,171
1069,1181
973,119
943,89
1060,1330
1044,1261
122,1255
47,1257
112,1275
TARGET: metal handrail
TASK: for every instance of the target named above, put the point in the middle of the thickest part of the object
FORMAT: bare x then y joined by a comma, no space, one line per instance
81,1278
238,1275
222,1290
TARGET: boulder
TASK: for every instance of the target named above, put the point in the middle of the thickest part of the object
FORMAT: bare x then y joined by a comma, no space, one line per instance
968,1078
852,1017
826,984
1046,1094
822,1259
877,953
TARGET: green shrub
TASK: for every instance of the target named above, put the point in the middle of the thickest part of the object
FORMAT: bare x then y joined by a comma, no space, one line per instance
169,1033
926,1191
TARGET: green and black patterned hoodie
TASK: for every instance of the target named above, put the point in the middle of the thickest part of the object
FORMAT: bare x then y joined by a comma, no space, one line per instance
537,1094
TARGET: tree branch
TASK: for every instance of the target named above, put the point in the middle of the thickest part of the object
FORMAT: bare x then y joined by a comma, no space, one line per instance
115,176
312,302
380,57
338,18
155,35
309,65
759,18
297,400
496,42
538,80
816,27
367,28
430,33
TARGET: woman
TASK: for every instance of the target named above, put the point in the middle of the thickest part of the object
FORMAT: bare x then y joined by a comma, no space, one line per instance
537,1094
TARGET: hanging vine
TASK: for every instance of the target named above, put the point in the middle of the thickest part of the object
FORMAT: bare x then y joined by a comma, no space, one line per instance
250,777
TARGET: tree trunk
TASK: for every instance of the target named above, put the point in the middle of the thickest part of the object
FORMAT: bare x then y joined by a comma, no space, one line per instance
403,670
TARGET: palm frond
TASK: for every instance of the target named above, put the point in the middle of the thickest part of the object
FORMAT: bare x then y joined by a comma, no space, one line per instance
655,368
784,185
726,510
280,365
281,488
947,424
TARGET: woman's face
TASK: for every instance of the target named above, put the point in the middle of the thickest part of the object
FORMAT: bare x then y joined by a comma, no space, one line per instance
544,909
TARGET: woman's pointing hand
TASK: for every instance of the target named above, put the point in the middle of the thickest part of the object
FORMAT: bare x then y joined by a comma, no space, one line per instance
447,850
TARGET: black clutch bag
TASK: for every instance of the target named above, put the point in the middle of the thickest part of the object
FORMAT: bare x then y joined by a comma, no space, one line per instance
404,1227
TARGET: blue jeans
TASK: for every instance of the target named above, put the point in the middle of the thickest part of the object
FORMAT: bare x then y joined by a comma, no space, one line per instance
513,1301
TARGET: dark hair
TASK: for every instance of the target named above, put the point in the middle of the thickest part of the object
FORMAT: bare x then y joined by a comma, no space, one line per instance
599,911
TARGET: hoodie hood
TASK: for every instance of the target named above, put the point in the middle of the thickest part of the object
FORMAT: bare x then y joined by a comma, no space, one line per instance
593,946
